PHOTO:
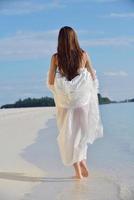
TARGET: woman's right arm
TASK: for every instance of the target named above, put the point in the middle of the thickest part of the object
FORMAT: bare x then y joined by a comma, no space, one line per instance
52,70
89,66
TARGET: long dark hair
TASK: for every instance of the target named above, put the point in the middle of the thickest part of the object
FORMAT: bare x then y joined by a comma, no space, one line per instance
69,53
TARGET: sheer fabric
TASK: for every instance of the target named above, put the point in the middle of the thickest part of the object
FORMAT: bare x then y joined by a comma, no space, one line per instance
77,113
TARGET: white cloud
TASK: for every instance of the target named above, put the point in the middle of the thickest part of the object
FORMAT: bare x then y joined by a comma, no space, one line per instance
41,44
115,41
15,7
89,1
27,7
120,15
105,1
26,45
117,84
116,73
87,32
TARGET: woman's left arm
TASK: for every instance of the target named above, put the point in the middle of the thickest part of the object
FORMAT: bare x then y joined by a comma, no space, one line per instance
52,71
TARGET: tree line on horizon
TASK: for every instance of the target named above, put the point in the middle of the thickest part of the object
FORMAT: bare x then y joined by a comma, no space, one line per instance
49,101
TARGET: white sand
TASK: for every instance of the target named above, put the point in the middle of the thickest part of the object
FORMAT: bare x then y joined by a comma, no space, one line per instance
19,128
31,168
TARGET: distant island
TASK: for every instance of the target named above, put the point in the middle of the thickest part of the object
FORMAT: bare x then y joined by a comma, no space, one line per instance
49,101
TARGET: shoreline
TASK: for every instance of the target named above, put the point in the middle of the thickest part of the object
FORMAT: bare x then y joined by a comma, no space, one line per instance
31,166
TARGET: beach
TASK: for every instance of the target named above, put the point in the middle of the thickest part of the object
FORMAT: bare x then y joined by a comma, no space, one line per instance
31,167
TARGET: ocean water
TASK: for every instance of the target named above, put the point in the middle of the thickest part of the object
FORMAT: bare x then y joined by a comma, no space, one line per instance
110,160
114,153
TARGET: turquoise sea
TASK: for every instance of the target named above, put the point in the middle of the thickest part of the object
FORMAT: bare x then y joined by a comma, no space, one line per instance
114,153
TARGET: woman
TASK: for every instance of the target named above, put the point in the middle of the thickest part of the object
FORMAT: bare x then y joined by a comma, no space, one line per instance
74,84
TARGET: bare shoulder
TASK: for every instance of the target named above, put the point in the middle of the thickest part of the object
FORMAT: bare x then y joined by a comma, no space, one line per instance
85,58
86,55
55,58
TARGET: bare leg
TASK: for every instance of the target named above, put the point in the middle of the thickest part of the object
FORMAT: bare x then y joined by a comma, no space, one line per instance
84,168
77,170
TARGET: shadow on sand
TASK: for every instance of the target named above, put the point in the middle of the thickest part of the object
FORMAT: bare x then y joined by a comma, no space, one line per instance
16,176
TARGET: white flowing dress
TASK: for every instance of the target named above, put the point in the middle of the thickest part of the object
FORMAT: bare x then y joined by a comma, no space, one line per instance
77,113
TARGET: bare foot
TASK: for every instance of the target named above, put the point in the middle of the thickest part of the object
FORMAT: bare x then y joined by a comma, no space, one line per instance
78,174
77,177
84,168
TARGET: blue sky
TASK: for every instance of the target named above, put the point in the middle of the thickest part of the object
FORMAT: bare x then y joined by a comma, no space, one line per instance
28,37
